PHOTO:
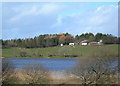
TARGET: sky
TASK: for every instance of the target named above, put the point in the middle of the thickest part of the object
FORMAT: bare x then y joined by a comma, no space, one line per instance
28,19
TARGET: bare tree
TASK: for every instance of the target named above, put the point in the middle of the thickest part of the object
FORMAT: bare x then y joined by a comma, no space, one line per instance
7,70
37,73
95,71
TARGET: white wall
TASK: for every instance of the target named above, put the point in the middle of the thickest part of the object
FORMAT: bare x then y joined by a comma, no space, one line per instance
71,43
61,44
84,43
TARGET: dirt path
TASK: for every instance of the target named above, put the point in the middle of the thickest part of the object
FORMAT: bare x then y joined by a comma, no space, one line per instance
58,74
60,77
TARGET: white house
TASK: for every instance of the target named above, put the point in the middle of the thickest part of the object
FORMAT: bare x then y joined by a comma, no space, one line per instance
101,41
61,44
84,44
72,44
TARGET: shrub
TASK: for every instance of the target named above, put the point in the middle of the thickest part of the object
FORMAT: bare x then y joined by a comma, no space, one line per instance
37,73
70,55
7,70
23,54
74,55
37,55
95,71
51,55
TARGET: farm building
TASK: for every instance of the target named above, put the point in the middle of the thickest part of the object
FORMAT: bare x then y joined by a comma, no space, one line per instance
84,42
61,44
72,44
95,43
100,41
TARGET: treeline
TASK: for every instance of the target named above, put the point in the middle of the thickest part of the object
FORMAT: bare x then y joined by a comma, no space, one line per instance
107,38
56,39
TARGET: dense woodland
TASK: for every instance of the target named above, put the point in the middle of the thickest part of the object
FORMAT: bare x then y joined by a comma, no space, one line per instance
50,40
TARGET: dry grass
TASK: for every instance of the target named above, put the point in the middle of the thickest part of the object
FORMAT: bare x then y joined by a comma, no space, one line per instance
20,77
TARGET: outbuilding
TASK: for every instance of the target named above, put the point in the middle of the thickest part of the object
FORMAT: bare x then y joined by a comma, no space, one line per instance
84,42
93,43
72,44
61,44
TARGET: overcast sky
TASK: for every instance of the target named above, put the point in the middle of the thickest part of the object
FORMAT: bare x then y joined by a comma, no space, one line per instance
23,20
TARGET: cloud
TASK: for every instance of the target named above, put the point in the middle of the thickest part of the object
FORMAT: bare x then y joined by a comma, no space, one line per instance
104,21
46,9
33,19
99,8
59,20
100,19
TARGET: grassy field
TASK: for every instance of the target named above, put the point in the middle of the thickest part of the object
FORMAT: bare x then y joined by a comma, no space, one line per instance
62,52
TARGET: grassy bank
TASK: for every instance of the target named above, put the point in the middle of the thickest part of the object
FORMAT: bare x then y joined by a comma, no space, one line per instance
62,52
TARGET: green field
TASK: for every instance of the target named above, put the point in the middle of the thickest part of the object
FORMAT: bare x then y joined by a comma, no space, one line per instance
62,52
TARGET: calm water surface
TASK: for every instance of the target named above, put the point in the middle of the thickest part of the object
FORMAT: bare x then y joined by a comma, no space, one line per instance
50,64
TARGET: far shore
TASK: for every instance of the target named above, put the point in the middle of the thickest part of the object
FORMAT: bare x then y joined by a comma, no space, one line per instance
79,51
